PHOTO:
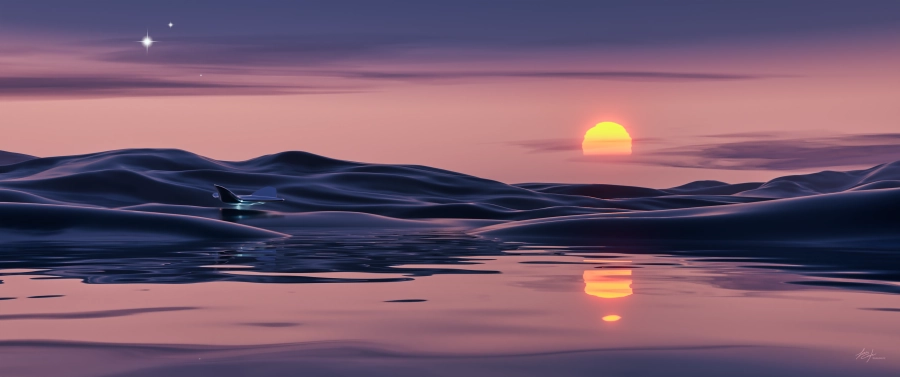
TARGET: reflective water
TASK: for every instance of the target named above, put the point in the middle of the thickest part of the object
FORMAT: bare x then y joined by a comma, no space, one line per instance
443,304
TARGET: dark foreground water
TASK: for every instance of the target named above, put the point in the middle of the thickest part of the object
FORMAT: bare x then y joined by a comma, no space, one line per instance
444,304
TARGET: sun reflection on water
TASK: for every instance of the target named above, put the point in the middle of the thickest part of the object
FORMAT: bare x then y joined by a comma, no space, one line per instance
607,283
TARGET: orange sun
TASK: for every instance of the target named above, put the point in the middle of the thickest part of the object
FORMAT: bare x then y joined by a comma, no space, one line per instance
606,138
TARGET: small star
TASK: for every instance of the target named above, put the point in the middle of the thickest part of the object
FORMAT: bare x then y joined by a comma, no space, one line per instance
147,41
170,25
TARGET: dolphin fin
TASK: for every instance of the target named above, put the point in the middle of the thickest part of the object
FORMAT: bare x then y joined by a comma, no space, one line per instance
226,196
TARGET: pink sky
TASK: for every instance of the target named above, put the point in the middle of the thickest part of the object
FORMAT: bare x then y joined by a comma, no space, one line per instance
468,124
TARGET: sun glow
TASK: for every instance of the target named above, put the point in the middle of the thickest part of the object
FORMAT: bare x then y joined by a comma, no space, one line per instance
606,138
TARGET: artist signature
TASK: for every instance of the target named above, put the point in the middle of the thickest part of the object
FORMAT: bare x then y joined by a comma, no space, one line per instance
868,355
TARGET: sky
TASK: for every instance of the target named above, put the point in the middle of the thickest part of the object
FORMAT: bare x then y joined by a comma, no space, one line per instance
726,90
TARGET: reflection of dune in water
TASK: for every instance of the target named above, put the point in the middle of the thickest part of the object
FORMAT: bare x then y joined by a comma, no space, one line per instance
329,257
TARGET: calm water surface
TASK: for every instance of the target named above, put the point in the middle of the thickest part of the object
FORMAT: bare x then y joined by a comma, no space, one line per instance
439,304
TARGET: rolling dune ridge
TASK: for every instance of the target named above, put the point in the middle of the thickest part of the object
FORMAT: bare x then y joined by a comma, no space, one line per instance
167,193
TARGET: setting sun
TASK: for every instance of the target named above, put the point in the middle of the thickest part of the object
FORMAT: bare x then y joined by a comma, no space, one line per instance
606,138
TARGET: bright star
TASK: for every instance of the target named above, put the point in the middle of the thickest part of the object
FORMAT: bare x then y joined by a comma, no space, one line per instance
147,41
171,24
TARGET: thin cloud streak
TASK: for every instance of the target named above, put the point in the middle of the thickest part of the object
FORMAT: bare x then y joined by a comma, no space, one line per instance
265,51
563,145
757,151
584,75
106,86
782,154
307,55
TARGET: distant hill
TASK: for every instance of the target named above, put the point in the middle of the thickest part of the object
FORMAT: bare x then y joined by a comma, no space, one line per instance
178,182
7,158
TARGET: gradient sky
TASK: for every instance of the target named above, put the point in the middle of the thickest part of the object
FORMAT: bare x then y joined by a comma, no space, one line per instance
727,90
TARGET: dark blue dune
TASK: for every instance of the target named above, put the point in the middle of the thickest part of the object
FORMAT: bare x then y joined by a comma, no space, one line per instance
596,190
99,188
127,178
7,158
712,188
869,217
41,222
825,182
604,191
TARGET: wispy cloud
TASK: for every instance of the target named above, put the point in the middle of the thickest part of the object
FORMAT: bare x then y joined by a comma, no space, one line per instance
304,55
264,51
562,145
782,154
549,145
114,86
584,75
751,151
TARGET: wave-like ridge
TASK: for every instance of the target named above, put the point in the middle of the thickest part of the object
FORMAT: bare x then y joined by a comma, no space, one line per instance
143,181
